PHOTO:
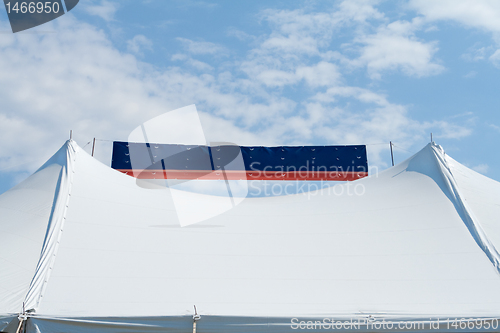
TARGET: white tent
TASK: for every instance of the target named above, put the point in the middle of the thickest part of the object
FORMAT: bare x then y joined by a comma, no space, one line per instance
86,249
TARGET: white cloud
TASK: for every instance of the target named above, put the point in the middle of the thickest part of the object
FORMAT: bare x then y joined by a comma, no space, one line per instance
12,157
483,14
495,58
481,168
477,53
138,44
292,44
470,75
199,65
446,130
479,14
394,47
301,32
197,4
361,94
105,10
276,78
359,10
283,57
298,34
241,35
321,74
495,127
202,47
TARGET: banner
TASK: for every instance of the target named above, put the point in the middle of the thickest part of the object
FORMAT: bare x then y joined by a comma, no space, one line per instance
312,163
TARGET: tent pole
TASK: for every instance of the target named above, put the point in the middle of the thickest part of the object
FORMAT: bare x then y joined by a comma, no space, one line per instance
431,136
196,317
20,325
71,134
22,317
392,155
93,147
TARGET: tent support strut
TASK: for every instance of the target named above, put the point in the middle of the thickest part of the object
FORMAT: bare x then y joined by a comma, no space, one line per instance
196,317
392,155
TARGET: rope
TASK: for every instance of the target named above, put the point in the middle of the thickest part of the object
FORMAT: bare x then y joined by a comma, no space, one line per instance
86,145
411,152
96,139
366,144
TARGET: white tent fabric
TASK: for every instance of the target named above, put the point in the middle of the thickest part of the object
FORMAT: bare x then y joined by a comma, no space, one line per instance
86,249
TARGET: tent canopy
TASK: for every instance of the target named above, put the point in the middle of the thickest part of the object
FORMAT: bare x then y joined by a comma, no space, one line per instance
84,245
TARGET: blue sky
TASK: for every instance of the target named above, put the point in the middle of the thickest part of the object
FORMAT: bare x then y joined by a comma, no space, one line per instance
260,73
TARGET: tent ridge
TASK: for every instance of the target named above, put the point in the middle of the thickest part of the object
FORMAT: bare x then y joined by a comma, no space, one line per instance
54,232
465,212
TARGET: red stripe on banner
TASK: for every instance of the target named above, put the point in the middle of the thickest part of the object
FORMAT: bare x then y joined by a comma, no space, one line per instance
249,175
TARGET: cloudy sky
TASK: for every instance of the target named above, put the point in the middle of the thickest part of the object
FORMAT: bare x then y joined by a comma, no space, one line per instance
260,73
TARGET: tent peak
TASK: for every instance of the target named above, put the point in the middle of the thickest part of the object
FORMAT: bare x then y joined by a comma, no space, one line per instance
61,156
433,162
65,159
